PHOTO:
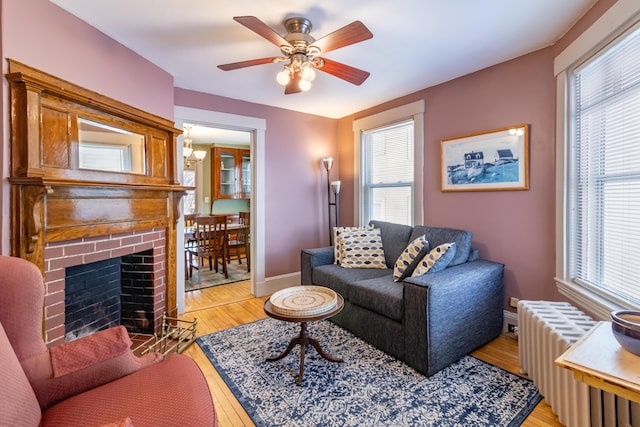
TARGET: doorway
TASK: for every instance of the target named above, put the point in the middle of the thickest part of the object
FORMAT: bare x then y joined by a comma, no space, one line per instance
237,125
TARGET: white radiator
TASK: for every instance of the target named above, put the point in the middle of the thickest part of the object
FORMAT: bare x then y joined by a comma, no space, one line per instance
545,330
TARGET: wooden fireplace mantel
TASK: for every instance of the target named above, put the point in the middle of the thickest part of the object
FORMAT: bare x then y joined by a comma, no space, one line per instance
53,199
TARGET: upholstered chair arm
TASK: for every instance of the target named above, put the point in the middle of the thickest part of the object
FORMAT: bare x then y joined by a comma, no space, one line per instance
71,368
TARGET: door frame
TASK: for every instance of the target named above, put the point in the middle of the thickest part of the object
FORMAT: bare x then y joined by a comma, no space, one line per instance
257,127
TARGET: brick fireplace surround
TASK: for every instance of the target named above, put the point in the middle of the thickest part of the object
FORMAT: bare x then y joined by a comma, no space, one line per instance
60,255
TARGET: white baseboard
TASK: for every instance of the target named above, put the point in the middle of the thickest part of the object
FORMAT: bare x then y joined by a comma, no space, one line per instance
276,283
509,318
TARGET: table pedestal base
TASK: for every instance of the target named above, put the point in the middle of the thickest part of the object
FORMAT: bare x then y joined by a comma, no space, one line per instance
303,340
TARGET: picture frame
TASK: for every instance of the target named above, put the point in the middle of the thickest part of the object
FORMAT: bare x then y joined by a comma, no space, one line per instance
494,160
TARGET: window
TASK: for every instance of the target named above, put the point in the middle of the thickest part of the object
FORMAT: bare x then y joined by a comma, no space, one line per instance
104,157
388,173
388,151
189,180
599,225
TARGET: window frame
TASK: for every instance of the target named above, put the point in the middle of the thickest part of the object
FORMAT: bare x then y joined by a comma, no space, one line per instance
618,19
413,111
368,188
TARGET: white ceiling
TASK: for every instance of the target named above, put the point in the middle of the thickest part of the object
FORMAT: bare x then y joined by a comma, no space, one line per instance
416,43
204,135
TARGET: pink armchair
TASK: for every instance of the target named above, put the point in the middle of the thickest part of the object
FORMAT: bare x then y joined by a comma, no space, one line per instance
91,381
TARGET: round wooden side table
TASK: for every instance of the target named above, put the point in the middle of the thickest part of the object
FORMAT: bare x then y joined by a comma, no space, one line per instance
304,339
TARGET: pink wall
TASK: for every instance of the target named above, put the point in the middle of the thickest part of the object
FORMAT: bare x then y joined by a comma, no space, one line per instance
516,228
295,187
512,227
42,35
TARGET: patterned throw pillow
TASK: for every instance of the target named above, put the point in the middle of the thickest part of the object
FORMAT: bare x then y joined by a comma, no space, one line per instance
436,260
362,249
409,258
337,237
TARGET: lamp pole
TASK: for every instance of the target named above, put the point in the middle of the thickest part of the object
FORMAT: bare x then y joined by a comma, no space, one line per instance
335,186
328,164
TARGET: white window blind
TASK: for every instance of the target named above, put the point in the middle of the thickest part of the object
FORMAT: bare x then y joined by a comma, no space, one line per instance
388,173
604,191
106,157
189,180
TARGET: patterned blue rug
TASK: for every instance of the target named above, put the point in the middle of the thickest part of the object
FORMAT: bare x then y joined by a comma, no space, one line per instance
369,388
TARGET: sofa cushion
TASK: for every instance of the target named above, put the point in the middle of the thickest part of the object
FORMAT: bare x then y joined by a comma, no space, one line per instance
438,236
380,295
340,279
437,260
18,403
337,240
395,237
409,258
362,249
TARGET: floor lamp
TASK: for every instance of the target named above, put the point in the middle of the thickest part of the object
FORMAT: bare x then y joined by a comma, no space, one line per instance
332,187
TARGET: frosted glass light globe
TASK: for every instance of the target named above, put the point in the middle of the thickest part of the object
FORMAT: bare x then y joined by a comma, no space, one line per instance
308,74
304,85
282,78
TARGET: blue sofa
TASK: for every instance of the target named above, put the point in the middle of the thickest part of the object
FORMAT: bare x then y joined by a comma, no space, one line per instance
429,321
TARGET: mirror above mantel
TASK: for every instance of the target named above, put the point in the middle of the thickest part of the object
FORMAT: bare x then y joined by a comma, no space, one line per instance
107,148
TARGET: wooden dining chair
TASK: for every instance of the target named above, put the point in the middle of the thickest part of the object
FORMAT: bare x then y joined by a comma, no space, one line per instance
190,220
240,239
211,244
189,241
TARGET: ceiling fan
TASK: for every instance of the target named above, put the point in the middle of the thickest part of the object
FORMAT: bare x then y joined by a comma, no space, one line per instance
302,52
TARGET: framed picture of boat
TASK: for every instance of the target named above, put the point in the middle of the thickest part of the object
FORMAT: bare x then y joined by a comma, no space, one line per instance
488,161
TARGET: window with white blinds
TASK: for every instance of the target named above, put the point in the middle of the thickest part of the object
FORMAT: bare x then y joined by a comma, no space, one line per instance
604,189
388,169
189,199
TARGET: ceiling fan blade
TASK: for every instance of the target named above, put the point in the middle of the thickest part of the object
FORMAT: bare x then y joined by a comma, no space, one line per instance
262,29
345,36
344,72
250,63
294,84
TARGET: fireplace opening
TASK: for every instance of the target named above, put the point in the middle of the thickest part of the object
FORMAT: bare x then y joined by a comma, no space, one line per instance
111,292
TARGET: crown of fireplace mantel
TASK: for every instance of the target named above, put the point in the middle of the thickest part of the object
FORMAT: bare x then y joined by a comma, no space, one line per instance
53,199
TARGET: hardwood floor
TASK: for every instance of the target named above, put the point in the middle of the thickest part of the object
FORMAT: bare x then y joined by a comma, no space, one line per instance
226,306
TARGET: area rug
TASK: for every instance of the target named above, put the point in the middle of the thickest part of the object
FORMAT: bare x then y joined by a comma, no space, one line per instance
370,388
203,278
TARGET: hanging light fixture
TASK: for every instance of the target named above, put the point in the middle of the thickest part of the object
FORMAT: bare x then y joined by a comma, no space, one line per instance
191,155
300,68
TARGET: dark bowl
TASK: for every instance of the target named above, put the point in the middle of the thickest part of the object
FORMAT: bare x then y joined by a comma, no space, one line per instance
626,329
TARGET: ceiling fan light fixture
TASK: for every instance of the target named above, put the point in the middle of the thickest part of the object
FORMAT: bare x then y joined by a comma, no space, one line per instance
283,77
308,74
302,51
304,85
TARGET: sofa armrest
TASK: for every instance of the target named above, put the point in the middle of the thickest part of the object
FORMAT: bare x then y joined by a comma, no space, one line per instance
453,312
311,258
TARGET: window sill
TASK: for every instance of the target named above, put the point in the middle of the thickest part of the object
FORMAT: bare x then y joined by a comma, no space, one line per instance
594,304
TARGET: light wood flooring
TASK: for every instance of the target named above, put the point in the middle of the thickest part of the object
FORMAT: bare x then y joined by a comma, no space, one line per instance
226,306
